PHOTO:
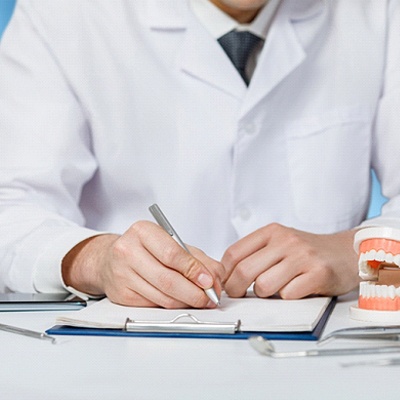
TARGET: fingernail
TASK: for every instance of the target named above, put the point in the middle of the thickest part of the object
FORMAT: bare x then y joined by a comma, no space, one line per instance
205,281
211,304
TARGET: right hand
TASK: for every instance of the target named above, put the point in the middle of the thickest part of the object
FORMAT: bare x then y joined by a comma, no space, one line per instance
144,267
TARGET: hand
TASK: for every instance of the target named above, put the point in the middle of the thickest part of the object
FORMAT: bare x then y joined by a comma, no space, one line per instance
144,267
292,263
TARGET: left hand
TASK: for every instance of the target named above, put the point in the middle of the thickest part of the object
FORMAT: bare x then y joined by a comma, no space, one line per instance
292,263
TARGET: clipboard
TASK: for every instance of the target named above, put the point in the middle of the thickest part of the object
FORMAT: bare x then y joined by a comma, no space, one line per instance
187,326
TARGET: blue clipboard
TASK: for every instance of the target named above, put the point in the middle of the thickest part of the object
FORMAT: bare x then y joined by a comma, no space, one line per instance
313,335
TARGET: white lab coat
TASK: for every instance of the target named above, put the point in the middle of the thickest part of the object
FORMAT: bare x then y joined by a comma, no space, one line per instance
109,106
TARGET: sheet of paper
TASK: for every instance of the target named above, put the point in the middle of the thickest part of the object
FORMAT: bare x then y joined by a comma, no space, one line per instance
255,314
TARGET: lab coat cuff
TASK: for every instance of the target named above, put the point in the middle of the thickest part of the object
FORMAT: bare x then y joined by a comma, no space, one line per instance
47,277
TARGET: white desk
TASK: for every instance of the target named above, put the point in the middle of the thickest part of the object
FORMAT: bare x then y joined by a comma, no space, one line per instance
152,368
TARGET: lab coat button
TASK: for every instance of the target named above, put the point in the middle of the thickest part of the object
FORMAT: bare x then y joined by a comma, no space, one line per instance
249,129
244,214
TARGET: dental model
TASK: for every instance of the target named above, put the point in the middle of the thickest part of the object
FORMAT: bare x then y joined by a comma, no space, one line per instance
378,249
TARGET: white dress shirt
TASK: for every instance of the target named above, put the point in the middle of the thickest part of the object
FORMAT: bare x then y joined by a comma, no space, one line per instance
219,23
107,107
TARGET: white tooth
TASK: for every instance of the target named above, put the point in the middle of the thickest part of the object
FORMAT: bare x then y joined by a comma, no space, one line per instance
371,290
362,269
396,259
378,290
363,289
363,266
385,291
367,273
389,258
380,255
362,257
371,255
392,292
397,291
363,276
367,291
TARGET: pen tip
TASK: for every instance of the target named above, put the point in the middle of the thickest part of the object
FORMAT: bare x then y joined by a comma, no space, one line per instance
212,295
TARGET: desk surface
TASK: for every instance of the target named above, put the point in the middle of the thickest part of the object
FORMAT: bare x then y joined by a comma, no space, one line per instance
155,368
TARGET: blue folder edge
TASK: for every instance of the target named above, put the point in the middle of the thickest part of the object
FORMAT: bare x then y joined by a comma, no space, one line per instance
315,334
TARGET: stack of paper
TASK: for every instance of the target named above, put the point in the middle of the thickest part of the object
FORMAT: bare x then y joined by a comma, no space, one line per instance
255,314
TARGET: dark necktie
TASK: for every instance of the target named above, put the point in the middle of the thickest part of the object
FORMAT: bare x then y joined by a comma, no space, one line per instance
238,46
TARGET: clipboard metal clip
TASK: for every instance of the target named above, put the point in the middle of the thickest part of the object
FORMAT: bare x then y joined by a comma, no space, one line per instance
183,323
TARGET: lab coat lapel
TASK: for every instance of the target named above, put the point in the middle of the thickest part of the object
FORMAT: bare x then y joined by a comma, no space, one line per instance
200,56
283,52
203,58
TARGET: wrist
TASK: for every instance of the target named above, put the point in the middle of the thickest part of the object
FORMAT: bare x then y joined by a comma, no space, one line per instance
82,265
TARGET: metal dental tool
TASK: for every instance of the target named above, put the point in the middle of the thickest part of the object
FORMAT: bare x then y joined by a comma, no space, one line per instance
265,347
385,362
391,332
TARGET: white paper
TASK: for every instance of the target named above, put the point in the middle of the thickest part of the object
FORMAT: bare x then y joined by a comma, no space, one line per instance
255,314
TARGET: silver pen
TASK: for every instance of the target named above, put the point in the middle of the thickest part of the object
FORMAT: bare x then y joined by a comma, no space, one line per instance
164,223
27,332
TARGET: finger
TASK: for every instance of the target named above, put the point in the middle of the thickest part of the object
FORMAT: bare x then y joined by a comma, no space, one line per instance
246,272
147,241
151,295
172,255
215,268
136,291
248,245
241,250
170,285
130,298
301,286
274,279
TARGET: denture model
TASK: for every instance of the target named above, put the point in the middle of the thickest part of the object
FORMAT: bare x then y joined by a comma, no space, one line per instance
378,251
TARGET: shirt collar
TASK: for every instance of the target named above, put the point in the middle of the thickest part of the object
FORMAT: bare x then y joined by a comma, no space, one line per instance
218,23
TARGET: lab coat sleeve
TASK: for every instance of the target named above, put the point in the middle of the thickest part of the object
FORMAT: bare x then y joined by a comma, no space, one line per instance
386,136
45,159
